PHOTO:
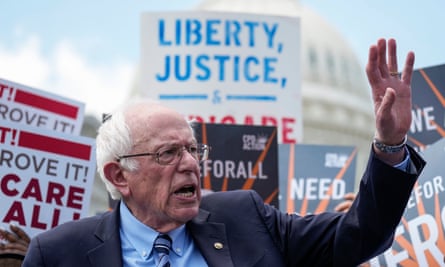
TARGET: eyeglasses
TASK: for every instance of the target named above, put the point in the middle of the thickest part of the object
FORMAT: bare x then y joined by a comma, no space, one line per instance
171,155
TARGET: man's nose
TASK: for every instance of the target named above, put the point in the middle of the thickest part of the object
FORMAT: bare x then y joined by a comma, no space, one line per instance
185,154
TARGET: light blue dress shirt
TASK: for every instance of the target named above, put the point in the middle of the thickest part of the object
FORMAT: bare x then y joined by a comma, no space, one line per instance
404,165
137,244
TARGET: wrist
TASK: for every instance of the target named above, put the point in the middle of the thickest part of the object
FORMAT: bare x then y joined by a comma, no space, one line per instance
390,149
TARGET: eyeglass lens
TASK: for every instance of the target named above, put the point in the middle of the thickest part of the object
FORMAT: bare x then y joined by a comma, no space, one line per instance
173,154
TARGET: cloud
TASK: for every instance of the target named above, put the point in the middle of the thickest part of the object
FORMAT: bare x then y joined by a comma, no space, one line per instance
25,64
66,72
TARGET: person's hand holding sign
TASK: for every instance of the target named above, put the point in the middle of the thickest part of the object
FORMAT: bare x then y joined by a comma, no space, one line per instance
14,242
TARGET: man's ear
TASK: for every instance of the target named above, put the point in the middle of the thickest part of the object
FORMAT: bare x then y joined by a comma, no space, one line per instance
114,173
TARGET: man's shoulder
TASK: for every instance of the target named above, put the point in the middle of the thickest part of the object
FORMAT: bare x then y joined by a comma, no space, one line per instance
231,194
230,198
76,228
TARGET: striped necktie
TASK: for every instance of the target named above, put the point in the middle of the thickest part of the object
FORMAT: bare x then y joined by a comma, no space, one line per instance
162,246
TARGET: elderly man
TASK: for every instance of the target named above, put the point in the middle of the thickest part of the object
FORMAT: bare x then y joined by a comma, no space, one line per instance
149,158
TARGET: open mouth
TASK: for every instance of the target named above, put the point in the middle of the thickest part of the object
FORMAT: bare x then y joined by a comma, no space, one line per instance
186,191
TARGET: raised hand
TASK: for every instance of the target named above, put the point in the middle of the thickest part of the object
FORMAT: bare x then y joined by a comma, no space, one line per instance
391,95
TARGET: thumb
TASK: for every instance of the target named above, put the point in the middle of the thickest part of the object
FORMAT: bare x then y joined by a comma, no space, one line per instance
387,101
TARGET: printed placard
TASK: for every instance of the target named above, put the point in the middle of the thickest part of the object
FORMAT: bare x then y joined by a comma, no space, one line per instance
33,107
428,116
228,68
46,178
241,157
315,178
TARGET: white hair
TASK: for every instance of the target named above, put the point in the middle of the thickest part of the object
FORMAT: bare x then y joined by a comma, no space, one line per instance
114,139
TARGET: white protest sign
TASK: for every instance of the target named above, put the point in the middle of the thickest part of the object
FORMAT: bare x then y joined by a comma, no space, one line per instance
33,107
228,68
46,178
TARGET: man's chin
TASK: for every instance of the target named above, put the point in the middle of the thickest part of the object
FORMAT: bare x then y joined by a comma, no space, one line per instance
186,214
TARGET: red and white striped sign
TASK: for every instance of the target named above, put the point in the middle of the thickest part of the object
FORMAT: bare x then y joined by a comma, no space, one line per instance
34,107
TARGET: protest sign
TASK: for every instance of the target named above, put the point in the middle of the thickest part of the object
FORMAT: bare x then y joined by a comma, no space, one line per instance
37,108
228,68
420,238
45,178
241,157
428,92
315,178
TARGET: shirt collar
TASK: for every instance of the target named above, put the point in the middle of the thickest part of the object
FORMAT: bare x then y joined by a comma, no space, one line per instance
142,237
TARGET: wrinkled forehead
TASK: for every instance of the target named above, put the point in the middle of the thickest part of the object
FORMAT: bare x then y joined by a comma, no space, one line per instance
155,121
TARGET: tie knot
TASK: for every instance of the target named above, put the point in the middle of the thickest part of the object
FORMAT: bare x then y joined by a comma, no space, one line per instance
163,244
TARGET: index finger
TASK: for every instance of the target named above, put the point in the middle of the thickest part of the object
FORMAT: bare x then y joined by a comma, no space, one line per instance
20,233
8,236
349,196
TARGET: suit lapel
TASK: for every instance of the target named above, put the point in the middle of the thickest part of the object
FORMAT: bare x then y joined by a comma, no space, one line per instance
106,255
211,239
108,252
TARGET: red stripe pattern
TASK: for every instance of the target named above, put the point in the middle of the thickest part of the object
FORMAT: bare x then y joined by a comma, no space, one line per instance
47,104
54,145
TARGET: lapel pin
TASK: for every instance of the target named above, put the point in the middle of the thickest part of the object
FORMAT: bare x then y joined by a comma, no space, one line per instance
218,245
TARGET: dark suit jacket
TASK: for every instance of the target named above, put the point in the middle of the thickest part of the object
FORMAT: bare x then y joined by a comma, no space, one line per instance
252,233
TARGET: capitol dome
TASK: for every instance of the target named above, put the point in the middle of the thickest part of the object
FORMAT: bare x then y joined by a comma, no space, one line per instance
337,106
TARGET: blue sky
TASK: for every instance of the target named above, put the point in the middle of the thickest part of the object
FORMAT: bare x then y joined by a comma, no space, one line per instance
89,50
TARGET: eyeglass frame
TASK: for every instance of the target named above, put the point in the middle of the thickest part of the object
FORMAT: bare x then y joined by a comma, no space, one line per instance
204,148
